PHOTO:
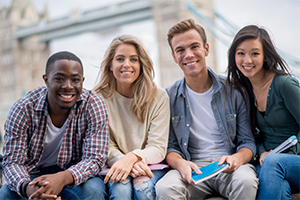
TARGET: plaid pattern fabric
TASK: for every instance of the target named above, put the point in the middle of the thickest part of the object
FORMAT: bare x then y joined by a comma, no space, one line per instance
84,146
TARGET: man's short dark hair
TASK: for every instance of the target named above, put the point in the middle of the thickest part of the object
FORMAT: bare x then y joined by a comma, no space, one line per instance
183,27
62,55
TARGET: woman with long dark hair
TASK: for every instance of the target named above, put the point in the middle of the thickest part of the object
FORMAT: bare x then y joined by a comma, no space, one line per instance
273,96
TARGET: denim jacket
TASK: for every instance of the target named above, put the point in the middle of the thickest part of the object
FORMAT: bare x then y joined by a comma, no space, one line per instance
231,116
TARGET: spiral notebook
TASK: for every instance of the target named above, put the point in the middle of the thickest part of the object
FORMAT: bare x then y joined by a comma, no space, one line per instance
291,141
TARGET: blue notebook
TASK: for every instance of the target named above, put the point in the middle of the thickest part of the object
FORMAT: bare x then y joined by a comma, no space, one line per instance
209,171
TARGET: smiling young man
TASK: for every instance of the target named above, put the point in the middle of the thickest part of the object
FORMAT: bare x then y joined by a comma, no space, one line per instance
208,123
56,137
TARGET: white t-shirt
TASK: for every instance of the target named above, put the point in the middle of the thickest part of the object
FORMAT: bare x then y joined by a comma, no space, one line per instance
205,139
52,144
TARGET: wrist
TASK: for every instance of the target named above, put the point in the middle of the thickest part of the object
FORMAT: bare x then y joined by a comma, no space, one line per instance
23,189
135,158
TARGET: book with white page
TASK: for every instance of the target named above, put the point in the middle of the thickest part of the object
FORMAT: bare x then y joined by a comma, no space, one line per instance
209,171
151,166
291,141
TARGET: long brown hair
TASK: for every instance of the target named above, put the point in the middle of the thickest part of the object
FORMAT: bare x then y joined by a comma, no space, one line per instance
144,89
273,62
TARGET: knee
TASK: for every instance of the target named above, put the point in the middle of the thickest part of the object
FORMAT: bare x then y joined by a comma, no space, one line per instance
161,188
272,161
95,187
144,188
246,177
120,190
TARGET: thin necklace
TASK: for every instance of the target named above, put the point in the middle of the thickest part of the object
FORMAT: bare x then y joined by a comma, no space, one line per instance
258,92
256,96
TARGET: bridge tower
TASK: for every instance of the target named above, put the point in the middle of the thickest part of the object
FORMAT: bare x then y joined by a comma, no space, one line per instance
21,61
166,14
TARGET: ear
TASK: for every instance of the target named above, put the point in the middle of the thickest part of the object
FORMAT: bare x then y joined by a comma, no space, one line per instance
174,57
83,79
206,49
45,79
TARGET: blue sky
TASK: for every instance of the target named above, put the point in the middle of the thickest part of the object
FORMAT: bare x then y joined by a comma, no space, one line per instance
280,17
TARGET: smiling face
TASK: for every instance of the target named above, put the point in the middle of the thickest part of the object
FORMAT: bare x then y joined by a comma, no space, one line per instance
64,82
190,52
125,67
249,57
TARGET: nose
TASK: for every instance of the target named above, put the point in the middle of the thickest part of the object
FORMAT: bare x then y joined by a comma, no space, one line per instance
126,63
247,59
189,53
68,84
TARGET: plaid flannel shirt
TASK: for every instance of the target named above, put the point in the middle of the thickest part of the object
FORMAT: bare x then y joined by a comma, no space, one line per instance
84,146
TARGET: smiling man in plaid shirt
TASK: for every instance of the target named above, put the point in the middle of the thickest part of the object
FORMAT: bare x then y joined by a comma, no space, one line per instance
56,137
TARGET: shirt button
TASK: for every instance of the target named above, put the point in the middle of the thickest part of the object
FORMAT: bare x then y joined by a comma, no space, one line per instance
184,144
187,125
172,118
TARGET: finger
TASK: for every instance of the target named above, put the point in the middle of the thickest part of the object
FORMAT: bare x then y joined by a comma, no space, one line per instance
125,175
36,180
139,169
132,175
222,160
260,162
135,172
149,172
115,176
42,183
48,196
108,175
196,169
37,193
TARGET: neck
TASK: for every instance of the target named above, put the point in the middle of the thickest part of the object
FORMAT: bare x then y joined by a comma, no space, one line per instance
199,84
125,91
258,80
58,119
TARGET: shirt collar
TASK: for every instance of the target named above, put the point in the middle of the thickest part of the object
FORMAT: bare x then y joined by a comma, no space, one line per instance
216,85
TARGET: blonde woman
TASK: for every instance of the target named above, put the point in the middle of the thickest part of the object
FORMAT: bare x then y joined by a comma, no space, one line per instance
138,119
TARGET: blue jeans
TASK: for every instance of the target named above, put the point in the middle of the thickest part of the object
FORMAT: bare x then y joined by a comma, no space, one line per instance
93,188
128,190
278,176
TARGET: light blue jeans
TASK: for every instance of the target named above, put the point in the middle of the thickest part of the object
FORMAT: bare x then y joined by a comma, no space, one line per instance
93,188
278,176
127,190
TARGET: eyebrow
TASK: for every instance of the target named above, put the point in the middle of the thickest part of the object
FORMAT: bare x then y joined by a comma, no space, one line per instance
189,45
62,74
124,56
254,49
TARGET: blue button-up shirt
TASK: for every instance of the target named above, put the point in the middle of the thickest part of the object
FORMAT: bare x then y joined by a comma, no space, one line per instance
231,116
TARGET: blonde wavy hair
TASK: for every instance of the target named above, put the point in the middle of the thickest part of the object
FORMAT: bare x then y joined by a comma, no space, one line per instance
144,89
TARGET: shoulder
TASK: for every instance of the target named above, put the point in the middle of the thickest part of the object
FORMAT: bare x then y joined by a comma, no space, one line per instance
161,93
172,90
34,98
281,82
91,98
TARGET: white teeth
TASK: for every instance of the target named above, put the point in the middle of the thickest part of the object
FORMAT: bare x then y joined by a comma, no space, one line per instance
248,68
66,96
126,72
188,64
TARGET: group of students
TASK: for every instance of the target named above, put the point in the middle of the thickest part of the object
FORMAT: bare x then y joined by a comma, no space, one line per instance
60,136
